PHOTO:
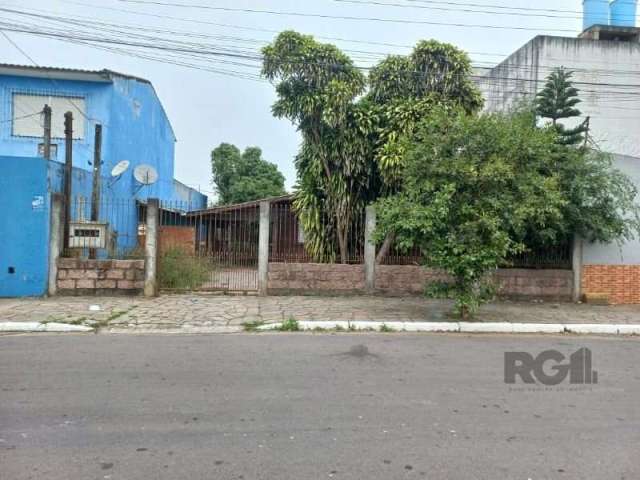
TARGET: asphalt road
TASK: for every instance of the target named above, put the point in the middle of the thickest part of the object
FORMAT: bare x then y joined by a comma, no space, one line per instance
301,406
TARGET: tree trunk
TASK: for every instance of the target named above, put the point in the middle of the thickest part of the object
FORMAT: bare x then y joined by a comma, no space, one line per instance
342,243
386,246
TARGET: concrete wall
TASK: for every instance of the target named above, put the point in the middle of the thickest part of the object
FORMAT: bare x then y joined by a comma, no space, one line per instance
24,227
627,253
615,122
399,280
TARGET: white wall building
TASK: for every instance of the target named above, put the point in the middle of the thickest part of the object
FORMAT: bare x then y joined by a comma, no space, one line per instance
606,64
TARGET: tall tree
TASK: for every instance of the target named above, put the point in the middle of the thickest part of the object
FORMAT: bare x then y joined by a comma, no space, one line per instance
472,186
316,88
243,177
352,150
558,101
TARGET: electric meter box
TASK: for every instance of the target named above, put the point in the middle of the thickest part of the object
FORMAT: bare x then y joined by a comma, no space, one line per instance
88,235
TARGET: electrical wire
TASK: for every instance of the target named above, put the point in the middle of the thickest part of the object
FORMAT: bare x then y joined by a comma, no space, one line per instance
344,17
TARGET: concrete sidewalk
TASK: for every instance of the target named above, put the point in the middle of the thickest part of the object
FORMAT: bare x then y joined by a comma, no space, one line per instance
220,313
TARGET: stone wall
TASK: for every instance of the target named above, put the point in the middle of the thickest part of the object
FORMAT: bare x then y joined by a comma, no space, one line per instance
397,280
315,278
617,284
521,283
100,277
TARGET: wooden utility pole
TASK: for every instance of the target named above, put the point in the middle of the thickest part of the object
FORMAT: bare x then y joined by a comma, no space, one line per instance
47,132
95,192
68,172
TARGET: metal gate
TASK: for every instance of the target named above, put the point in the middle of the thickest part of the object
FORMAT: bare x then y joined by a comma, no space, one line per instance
214,249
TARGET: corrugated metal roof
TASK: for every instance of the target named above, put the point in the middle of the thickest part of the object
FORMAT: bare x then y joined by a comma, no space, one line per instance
59,73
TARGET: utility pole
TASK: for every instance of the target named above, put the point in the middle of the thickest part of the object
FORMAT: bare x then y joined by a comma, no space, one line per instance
95,192
68,172
47,132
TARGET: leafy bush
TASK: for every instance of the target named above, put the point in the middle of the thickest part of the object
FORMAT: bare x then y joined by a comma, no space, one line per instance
177,270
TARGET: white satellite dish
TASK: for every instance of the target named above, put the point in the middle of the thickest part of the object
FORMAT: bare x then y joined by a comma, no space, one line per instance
120,168
145,174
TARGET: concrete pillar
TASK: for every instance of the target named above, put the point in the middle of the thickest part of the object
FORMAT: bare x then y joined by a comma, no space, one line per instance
370,250
576,264
55,240
151,248
263,248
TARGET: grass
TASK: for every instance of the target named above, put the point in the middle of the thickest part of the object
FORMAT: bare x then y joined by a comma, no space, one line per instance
252,326
384,328
290,325
177,270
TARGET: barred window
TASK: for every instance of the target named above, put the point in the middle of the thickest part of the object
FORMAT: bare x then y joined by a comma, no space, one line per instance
27,122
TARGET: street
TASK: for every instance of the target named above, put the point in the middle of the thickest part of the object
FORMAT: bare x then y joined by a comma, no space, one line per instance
311,406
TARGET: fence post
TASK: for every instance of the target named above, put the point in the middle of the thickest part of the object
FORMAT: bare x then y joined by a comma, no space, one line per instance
370,250
576,265
263,249
151,248
55,240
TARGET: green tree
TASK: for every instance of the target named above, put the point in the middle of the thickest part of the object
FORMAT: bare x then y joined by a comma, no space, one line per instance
558,101
243,177
317,85
351,152
472,187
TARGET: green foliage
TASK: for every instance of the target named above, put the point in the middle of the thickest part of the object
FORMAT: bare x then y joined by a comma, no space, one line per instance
352,146
177,270
317,85
253,326
472,187
600,201
289,325
558,101
243,177
404,90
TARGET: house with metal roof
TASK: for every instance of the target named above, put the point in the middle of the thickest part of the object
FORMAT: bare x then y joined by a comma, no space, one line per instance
136,133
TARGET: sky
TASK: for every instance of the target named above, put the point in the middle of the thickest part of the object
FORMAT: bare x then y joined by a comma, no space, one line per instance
206,108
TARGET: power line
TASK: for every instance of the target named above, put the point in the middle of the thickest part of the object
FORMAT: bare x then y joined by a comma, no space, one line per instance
461,10
36,64
343,17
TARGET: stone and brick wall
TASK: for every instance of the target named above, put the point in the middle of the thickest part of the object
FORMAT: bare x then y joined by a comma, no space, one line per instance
100,277
406,279
521,283
618,284
315,278
396,280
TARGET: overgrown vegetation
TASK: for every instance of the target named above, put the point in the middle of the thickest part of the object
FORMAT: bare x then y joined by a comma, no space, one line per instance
471,190
252,326
476,189
352,125
289,325
177,270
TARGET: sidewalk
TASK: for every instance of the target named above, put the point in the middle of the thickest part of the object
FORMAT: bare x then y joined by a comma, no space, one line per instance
220,313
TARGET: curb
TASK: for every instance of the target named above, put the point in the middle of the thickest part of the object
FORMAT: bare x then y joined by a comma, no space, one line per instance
467,327
31,327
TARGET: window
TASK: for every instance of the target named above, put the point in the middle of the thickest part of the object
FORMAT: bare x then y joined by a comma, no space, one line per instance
27,122
300,233
54,150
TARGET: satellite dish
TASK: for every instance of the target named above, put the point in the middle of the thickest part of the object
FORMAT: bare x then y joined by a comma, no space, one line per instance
120,168
145,174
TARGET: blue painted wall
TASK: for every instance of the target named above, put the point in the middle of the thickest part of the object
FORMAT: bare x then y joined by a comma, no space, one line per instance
135,128
24,227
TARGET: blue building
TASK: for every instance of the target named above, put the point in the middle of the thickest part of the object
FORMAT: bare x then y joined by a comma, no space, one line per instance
135,128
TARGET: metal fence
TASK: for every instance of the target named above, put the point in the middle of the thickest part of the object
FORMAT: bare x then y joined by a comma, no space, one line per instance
289,243
107,229
213,249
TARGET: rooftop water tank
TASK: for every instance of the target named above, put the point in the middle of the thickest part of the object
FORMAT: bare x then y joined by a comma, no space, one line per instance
623,13
595,12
